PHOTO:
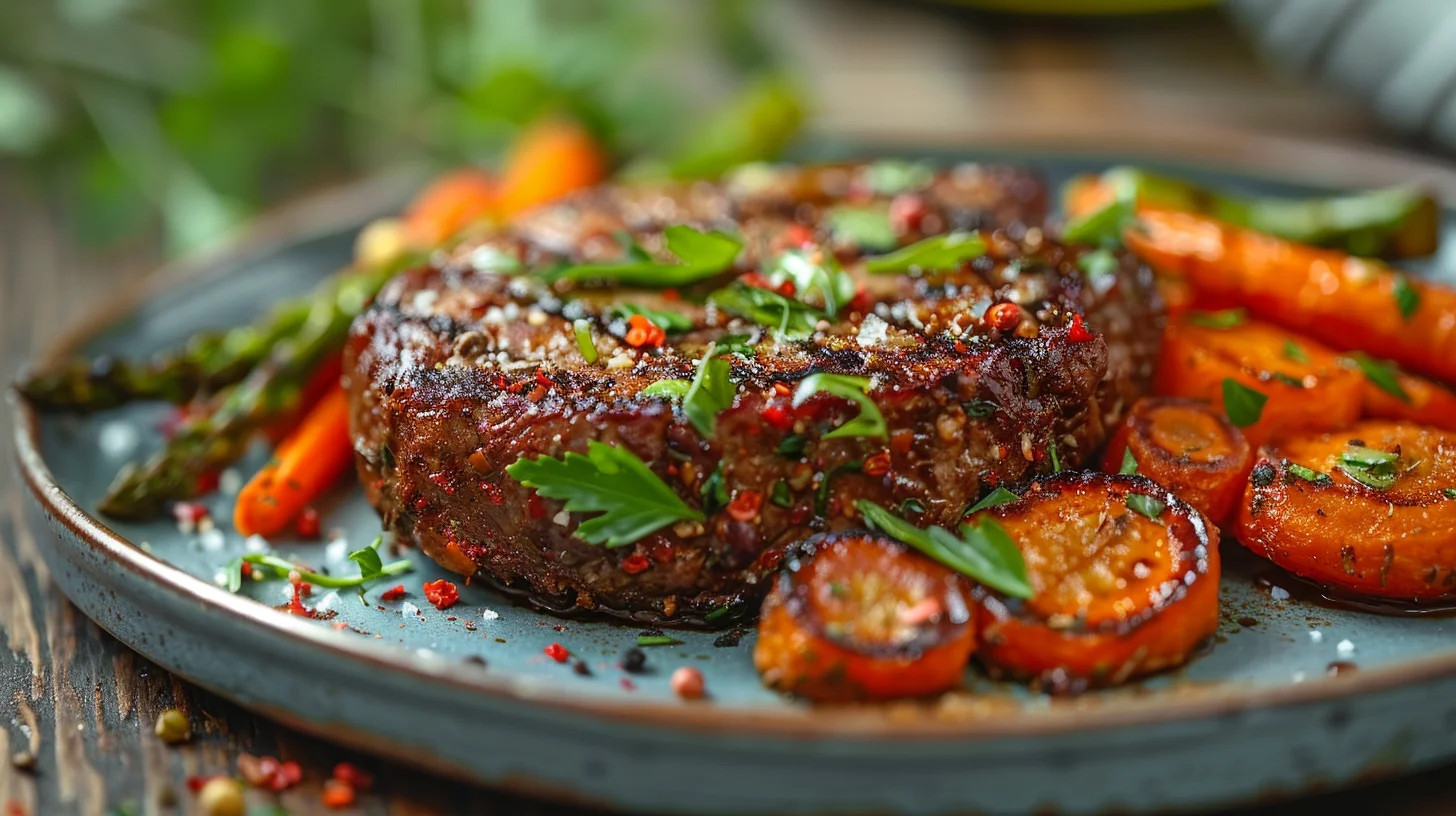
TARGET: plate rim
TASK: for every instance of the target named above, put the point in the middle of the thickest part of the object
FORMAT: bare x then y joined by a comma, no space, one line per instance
348,205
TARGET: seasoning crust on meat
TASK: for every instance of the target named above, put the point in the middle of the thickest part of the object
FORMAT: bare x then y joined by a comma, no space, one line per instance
466,365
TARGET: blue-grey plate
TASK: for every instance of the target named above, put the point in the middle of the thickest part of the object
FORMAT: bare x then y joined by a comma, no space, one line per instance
1259,714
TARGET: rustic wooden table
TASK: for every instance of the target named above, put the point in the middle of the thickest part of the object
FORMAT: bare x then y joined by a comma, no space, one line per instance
78,707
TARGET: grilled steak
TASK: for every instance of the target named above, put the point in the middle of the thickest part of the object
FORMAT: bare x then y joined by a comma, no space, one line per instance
458,371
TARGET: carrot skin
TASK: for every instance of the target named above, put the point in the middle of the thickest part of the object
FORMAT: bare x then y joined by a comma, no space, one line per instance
305,465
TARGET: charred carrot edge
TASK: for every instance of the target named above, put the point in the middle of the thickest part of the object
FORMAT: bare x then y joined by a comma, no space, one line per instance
1345,302
1304,387
549,160
1426,402
797,652
1168,611
305,465
1210,476
449,204
1304,512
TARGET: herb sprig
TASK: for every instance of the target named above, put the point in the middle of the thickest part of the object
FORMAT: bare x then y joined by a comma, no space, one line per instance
371,568
983,551
869,423
936,253
710,393
1373,468
700,255
792,319
1243,404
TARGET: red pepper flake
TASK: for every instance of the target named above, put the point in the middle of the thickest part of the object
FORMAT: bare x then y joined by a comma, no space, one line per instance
877,465
907,210
351,774
787,289
295,603
337,794
745,505
515,387
1004,316
782,389
558,653
861,300
628,684
190,513
535,508
196,783
635,563
663,552
442,594
308,525
671,295
755,280
642,331
960,347
544,381
801,514
493,492
246,570
901,440
798,235
393,593
442,480
769,560
288,774
207,482
420,502
1077,332
778,416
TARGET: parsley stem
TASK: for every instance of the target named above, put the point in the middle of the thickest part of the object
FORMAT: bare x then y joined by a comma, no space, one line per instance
283,567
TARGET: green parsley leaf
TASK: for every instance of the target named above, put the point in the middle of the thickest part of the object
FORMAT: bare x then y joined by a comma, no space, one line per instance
995,498
370,565
983,551
1243,404
1308,474
1382,374
792,446
1373,468
1146,505
1056,460
669,389
715,491
867,227
1407,299
369,570
633,501
1450,492
711,392
584,342
790,318
670,322
936,253
1103,227
1099,264
869,423
1129,463
658,640
1295,353
736,344
892,176
980,409
780,494
829,285
700,255
1226,319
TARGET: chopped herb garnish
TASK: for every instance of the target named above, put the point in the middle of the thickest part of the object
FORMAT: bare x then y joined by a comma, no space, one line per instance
792,446
912,506
658,640
789,317
979,409
711,393
1129,463
1293,382
670,389
736,344
869,423
1295,353
1308,474
1382,374
633,501
371,568
1373,468
719,612
715,491
995,498
867,227
1407,299
1450,492
1146,505
780,494
1104,227
701,255
891,176
1099,264
1051,449
669,322
936,253
821,496
983,551
822,279
584,342
1226,319
1243,404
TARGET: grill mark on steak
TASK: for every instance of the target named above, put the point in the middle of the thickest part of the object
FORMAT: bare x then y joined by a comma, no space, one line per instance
456,372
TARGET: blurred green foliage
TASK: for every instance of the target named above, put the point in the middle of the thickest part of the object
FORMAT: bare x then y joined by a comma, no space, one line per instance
192,114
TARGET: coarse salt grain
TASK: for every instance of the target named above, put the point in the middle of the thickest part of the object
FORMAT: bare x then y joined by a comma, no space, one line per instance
230,481
489,614
336,550
1316,635
562,519
1279,593
212,539
409,609
872,331
256,544
118,439
1345,648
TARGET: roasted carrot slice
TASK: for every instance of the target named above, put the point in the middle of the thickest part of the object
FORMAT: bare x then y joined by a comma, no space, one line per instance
1283,383
1125,577
305,465
1370,509
1409,398
1345,302
1188,447
453,201
858,615
549,160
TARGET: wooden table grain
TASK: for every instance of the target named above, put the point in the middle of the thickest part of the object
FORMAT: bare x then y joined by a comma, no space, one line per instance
77,708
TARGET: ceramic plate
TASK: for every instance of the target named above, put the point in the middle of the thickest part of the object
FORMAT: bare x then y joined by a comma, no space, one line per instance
1259,714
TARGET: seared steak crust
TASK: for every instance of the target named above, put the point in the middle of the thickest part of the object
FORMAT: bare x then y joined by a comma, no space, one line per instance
458,371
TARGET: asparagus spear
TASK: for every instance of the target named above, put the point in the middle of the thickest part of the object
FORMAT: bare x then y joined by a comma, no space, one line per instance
220,435
1394,222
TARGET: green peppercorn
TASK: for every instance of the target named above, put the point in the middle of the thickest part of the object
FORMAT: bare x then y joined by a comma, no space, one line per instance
172,727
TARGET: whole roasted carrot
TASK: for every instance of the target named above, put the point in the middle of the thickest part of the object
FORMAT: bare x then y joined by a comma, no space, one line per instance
1345,302
305,465
548,161
451,202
